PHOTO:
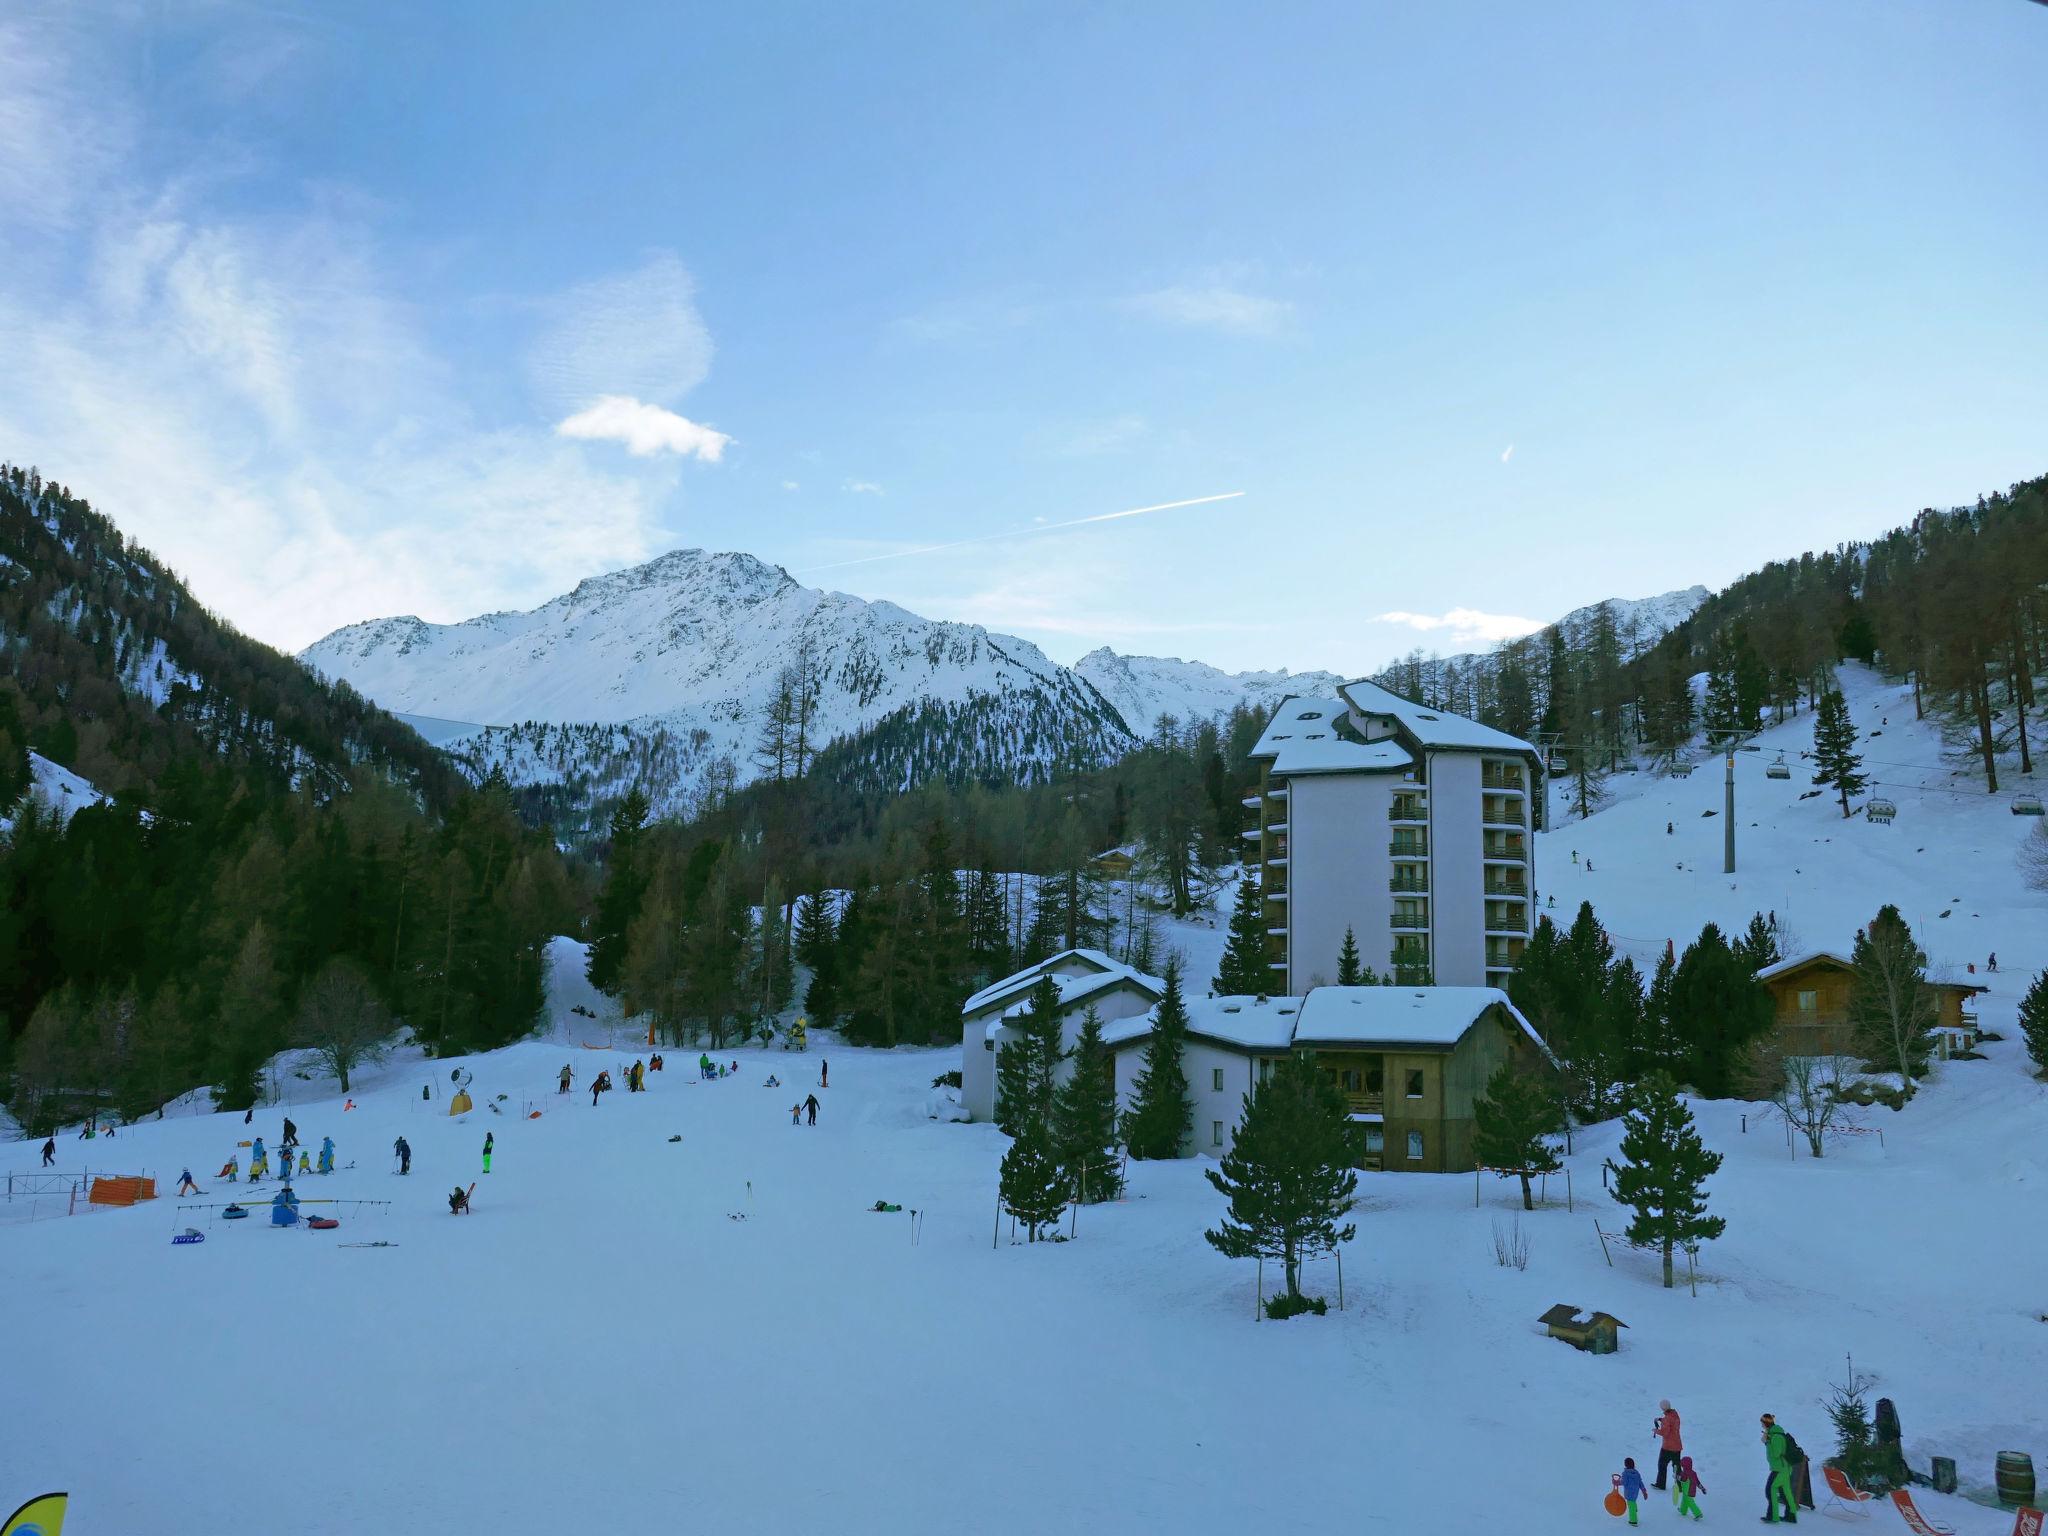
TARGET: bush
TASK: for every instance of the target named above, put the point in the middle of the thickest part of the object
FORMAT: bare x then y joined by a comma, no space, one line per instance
1866,1093
947,1080
1287,1305
1510,1245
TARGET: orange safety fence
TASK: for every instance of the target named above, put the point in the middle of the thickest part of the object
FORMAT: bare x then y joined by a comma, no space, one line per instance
121,1190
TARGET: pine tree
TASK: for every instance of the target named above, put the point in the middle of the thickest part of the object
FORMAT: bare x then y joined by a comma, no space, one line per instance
1244,971
1664,1175
1349,973
1512,1126
1161,1112
1715,1009
817,946
2034,1022
1891,1007
1759,945
1027,1065
1084,1118
1030,1183
1834,748
625,884
1290,1174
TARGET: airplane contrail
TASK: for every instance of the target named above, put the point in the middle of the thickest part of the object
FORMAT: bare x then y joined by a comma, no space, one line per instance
1022,533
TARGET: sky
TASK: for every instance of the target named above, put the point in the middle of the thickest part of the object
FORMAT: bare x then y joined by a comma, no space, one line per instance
1483,310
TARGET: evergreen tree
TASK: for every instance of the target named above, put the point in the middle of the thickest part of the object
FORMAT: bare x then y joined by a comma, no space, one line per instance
1084,1118
1027,1065
1664,1173
2034,1022
1715,1009
817,936
1244,971
1031,1185
1290,1175
1759,945
1512,1126
1834,749
1349,973
1891,1007
1162,1111
618,903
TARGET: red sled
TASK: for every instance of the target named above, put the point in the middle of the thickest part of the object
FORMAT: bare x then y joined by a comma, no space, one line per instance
322,1223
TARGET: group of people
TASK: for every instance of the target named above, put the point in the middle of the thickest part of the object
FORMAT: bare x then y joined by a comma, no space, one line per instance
1786,1484
259,1160
808,1106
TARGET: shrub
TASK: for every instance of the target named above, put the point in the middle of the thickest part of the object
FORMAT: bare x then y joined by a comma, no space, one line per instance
1287,1305
947,1080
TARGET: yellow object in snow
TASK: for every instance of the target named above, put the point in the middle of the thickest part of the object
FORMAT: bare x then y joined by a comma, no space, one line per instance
460,1104
42,1515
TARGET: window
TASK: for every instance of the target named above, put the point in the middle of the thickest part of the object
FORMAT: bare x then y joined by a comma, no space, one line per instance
1375,1141
1375,1081
1216,1134
1348,1080
1415,1082
1216,1079
1415,1146
1809,1002
1265,1069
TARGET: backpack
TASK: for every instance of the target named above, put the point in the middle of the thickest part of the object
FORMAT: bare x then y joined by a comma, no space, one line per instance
1793,1455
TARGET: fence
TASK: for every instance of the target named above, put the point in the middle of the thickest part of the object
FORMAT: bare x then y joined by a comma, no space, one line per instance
1543,1195
1691,1251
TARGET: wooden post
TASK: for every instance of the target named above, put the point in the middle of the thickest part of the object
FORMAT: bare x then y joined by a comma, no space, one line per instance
1603,1243
995,1239
1568,1206
1259,1290
1340,1279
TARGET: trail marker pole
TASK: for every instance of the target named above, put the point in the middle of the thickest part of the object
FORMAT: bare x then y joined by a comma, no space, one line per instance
1340,1279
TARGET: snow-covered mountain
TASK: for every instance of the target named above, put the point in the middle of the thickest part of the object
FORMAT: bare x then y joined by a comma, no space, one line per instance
1145,687
673,666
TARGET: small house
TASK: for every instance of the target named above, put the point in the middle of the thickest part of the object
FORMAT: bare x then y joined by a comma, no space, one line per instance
1083,978
1113,864
1598,1333
1810,1002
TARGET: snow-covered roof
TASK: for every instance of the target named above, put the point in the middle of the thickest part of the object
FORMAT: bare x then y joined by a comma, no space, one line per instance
1249,1023
1436,1016
1101,970
1075,990
1302,738
1801,962
1431,727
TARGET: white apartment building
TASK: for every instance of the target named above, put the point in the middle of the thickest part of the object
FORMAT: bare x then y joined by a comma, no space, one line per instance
1412,827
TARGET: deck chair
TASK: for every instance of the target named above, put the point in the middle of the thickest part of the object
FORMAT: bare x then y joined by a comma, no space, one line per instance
1844,1500
1918,1523
2029,1522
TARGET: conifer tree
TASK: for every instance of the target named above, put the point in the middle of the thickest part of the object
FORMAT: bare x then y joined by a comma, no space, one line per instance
1715,1009
1834,748
1290,1174
625,884
1244,971
1030,1182
1161,1112
2034,1022
817,946
1891,1007
1027,1065
1349,973
1512,1126
1084,1118
1759,945
1664,1173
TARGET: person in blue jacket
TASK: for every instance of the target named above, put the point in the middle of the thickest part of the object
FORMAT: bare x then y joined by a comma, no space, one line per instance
327,1154
256,1158
1631,1485
284,1207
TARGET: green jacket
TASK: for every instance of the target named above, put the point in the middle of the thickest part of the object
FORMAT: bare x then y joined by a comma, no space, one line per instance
1774,1449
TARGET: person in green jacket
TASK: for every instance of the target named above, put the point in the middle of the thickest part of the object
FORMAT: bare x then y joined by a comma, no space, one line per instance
1779,1484
490,1142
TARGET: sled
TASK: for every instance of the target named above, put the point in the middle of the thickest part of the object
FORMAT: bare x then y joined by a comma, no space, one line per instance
322,1223
190,1235
234,1213
883,1205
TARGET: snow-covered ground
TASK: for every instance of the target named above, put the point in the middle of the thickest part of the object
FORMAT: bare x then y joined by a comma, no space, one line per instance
601,1342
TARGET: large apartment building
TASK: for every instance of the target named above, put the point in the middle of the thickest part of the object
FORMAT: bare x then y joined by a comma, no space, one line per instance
1411,827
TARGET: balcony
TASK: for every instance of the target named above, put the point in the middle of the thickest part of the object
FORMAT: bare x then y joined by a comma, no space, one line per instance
1506,779
1252,836
1410,810
1415,884
1366,1103
1252,802
1507,922
1503,954
1505,848
1409,848
1503,814
1506,890
1412,922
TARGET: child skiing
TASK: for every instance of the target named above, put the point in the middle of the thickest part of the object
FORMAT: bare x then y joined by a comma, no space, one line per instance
568,1075
1631,1486
1689,1489
796,1114
229,1171
188,1185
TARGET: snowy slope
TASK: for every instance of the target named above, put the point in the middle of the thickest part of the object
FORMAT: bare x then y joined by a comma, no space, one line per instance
57,789
1145,687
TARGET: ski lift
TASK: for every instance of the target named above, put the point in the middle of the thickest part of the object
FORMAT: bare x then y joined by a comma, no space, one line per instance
1779,770
1681,770
2026,805
1880,810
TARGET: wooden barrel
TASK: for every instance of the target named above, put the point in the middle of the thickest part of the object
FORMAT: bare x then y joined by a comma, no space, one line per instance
2015,1477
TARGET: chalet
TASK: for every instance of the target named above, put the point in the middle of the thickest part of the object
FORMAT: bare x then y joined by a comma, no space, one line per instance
1083,978
1810,1002
1409,1060
1114,864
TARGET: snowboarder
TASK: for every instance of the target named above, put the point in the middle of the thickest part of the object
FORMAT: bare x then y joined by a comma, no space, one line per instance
1689,1489
490,1141
49,1151
404,1150
189,1185
811,1107
291,1133
327,1154
824,1073
568,1075
1670,1446
229,1171
1778,1484
1631,1486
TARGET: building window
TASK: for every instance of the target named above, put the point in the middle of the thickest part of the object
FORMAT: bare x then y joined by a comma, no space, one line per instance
1375,1081
1216,1133
1415,1082
1265,1069
1809,1002
1348,1080
1375,1141
1216,1079
1415,1146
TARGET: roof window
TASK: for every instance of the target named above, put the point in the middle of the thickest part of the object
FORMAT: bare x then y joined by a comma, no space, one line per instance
1426,717
1310,714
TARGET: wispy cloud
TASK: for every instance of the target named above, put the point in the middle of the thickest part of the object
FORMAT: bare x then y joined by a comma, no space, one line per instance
644,429
1464,626
1215,306
1040,526
1507,453
636,334
791,485
865,488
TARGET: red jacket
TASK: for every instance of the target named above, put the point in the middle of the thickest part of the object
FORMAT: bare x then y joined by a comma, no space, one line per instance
1667,1430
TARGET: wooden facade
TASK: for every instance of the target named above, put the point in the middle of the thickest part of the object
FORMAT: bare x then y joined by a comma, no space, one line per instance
1810,1003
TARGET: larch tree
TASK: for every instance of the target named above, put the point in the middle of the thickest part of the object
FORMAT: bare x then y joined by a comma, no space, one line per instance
1244,970
1512,1126
341,1019
1836,762
1162,1111
1664,1172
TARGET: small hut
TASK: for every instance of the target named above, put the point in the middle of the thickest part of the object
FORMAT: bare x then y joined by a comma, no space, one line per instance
1598,1333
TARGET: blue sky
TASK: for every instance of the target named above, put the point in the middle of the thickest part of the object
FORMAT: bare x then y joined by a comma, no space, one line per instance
1488,309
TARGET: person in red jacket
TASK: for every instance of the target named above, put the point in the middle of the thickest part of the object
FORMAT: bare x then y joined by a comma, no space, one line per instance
1670,1447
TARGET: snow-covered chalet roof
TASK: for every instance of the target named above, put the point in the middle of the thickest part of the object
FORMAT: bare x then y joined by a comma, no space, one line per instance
1302,738
1433,1016
1248,1023
1077,972
1431,727
1830,957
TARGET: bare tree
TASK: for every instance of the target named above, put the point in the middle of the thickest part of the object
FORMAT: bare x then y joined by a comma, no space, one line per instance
342,1019
2033,857
1801,1088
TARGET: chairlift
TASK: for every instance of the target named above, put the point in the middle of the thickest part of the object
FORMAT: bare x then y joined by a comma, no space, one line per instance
1681,770
1880,810
1779,770
2026,805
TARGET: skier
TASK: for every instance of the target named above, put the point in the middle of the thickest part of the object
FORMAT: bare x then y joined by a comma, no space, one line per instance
568,1074
1689,1489
229,1171
305,1161
49,1151
291,1133
1589,863
249,1115
1667,829
1992,963
404,1150
490,1141
188,1184
1778,1484
824,1073
1631,1486
1670,1446
811,1107
1575,855
596,1087
327,1154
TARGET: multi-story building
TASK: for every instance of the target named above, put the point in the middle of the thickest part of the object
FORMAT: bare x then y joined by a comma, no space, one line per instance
1411,827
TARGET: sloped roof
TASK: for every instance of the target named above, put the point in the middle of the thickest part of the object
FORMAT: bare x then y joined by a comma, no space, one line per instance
1828,956
1078,989
1302,738
1022,980
1437,1016
1431,727
1248,1023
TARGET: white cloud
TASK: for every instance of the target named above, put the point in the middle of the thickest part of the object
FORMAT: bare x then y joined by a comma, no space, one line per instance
1507,453
791,485
644,429
1215,306
1465,626
864,488
635,334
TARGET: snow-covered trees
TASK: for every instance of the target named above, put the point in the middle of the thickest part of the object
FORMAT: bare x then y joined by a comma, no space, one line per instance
1156,1125
2034,1022
1664,1173
2033,858
1244,971
1836,761
1289,1175
1891,1006
1512,1126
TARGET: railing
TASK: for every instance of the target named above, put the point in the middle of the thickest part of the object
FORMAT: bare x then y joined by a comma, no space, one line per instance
1506,888
1505,848
1413,811
1501,816
1409,848
1501,778
1408,885
1366,1103
1409,920
1507,922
